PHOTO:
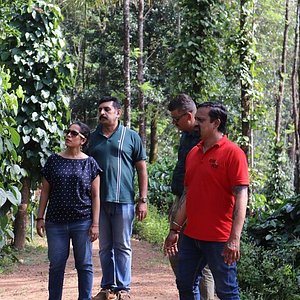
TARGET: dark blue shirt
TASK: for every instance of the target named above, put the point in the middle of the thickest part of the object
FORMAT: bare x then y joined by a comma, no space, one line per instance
70,188
187,142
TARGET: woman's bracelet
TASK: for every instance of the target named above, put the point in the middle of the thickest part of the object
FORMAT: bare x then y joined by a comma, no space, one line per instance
95,225
175,223
39,219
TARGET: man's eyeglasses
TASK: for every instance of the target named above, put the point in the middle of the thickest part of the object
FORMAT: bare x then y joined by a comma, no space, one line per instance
177,119
73,133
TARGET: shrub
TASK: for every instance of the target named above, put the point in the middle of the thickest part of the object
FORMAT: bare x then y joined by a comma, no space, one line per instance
279,185
160,175
282,226
267,273
154,228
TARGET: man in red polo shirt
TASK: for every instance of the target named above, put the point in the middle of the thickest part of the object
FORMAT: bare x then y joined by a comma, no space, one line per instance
183,109
216,184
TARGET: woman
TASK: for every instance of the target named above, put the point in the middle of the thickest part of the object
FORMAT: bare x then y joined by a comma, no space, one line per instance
70,191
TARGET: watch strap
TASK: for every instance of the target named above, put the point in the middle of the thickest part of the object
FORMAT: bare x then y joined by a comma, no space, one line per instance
143,199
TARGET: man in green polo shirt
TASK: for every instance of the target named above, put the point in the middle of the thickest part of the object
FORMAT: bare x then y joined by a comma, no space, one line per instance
119,152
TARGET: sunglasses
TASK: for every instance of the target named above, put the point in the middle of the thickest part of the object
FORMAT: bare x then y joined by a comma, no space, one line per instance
177,119
73,133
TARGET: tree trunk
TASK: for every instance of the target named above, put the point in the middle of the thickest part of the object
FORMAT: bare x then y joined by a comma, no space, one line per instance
20,225
126,49
246,86
83,58
142,125
282,75
153,153
295,97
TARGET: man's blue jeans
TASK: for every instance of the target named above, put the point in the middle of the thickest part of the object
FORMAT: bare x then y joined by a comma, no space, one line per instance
194,255
116,222
58,238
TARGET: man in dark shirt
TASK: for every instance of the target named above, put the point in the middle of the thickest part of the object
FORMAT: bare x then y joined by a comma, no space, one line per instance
183,109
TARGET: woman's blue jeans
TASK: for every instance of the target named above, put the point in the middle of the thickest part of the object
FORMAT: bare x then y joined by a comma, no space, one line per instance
193,256
58,238
115,253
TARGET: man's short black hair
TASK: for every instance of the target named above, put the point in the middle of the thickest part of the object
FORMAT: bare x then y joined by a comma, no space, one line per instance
183,103
217,111
116,102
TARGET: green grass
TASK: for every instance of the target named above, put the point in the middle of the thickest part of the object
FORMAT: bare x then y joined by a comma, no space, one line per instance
154,228
35,251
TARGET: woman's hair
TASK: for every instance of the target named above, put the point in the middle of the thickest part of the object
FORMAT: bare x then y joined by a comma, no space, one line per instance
84,130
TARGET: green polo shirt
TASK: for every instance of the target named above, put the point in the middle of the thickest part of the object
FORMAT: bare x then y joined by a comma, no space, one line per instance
117,156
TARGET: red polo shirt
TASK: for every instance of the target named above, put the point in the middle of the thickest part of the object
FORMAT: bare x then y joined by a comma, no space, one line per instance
210,178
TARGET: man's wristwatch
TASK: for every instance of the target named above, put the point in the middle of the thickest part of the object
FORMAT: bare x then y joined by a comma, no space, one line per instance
143,199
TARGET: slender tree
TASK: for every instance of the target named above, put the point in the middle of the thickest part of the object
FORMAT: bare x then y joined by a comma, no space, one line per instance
126,63
83,56
246,62
142,125
295,100
153,153
282,74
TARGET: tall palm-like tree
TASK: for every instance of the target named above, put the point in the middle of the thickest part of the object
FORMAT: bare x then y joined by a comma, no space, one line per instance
142,130
126,63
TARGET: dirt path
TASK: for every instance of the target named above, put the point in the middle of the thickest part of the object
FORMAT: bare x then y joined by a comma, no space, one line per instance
152,277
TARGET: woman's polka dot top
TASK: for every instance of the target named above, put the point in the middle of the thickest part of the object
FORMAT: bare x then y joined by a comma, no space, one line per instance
70,188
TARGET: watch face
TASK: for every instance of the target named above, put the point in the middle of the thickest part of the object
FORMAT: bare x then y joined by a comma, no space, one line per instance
144,200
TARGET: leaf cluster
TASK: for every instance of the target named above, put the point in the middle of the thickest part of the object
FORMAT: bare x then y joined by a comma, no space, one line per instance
282,226
34,71
268,273
278,186
37,62
202,50
154,228
160,193
10,171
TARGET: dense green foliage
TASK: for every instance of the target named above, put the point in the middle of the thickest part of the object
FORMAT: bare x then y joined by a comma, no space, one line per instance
92,38
159,185
154,228
273,253
268,273
206,46
282,227
32,49
10,171
279,185
36,60
96,43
